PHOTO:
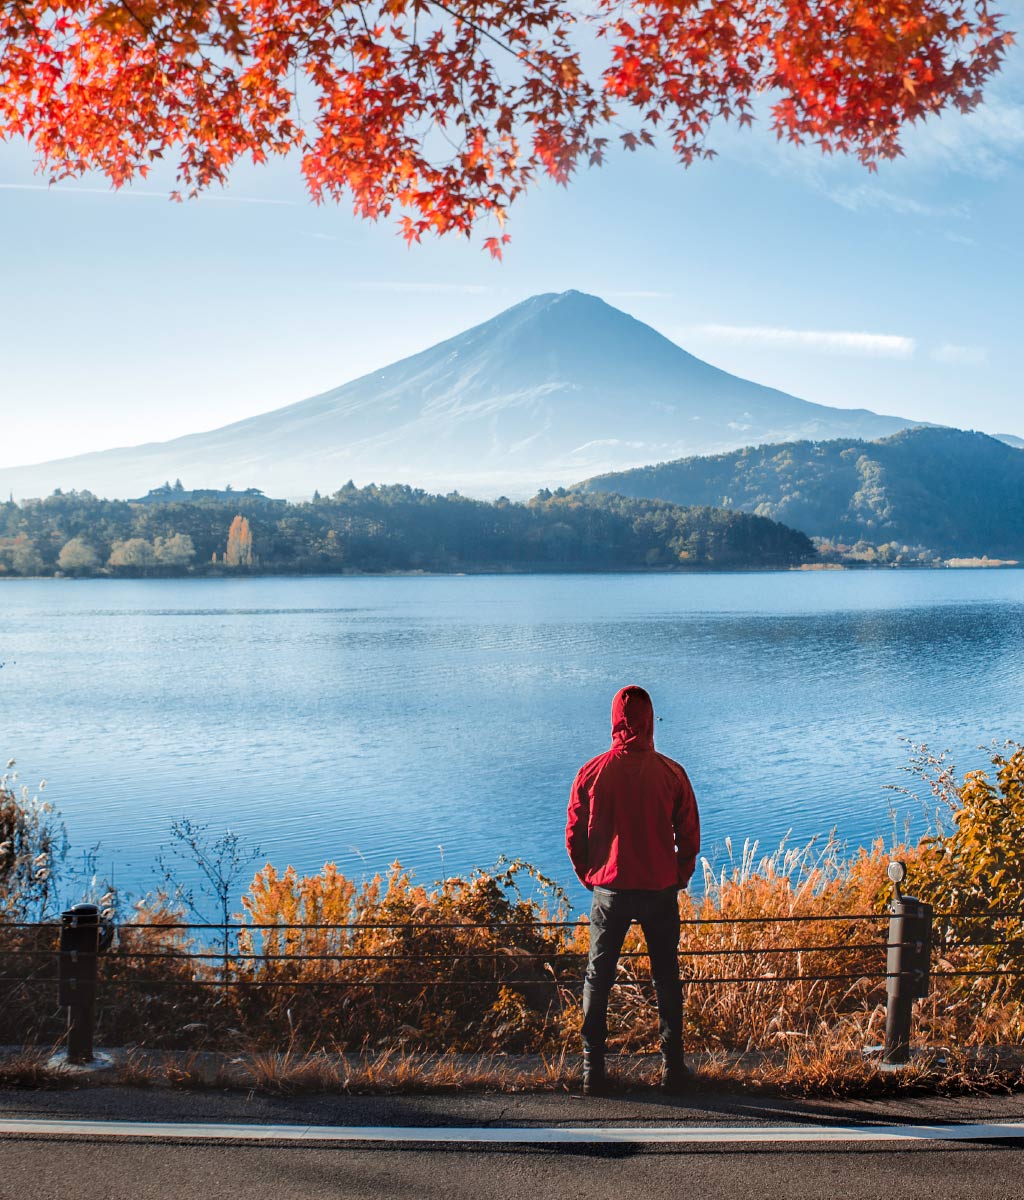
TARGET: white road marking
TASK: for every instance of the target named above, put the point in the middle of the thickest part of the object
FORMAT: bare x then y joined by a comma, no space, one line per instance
674,1134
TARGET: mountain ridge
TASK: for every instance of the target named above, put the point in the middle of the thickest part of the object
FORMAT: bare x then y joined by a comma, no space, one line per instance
953,491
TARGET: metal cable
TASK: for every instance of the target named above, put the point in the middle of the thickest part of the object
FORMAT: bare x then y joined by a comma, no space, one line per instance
508,981
994,973
766,920
458,983
424,927
446,956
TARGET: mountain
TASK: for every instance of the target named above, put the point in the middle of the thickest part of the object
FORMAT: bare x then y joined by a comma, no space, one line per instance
558,387
1011,439
954,492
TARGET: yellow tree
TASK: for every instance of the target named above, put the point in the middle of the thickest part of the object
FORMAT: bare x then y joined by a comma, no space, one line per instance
239,549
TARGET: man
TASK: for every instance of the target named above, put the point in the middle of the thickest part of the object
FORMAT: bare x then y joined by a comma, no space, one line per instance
633,834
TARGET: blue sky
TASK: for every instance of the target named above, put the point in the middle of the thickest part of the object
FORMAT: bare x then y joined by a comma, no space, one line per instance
125,318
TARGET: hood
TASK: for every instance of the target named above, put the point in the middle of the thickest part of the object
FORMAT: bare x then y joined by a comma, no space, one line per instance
632,720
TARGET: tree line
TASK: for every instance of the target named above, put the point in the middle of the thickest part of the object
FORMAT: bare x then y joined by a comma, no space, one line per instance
378,529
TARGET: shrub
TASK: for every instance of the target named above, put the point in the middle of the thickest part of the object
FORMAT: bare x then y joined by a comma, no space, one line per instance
973,865
978,864
33,846
453,965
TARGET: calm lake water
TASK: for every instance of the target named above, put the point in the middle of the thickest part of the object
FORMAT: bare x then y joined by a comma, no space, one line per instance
440,720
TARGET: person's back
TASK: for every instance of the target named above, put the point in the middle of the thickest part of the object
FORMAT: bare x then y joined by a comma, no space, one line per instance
633,834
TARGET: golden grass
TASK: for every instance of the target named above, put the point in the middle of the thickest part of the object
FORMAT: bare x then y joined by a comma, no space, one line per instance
355,1008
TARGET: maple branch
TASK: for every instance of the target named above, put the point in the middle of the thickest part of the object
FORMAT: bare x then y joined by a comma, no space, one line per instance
147,29
307,35
198,76
497,42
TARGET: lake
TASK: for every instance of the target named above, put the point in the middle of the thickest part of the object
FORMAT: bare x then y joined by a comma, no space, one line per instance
440,720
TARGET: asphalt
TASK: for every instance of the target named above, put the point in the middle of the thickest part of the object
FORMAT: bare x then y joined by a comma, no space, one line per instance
493,1108
36,1167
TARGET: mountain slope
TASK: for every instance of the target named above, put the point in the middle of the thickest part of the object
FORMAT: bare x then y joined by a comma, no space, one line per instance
957,493
555,388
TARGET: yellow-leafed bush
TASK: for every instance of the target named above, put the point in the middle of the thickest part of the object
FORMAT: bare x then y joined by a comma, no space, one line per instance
975,870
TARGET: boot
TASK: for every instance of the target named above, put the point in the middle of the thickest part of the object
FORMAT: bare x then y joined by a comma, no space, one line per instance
595,1081
676,1076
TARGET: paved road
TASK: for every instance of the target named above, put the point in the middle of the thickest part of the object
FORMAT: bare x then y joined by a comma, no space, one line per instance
67,1168
42,1170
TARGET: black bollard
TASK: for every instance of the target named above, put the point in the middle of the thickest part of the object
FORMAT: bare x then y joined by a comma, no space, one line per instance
76,977
908,966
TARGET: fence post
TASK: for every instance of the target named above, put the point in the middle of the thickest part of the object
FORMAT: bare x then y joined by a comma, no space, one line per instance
908,966
76,977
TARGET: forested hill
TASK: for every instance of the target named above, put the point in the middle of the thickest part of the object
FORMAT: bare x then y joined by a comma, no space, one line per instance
395,528
956,493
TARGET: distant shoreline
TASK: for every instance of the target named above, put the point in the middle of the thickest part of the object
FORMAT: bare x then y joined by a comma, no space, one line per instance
972,564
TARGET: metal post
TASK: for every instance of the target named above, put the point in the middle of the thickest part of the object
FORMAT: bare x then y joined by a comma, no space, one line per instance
76,977
899,1003
908,966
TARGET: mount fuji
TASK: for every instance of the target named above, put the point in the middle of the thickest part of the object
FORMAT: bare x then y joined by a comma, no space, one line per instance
555,389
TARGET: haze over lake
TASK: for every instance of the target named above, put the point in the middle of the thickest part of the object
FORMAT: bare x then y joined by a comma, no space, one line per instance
362,720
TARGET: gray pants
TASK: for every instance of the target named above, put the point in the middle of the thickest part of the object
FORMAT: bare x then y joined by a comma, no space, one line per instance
657,913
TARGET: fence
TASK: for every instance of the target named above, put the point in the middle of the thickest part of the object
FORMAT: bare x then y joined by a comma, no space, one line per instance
83,955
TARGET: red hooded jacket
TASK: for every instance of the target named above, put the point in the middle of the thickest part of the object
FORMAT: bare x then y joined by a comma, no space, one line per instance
633,819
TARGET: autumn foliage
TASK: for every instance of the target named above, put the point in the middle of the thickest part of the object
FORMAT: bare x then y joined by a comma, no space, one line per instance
784,955
445,110
238,552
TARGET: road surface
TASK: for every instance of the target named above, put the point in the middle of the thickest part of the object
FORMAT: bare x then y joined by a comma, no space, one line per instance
98,1161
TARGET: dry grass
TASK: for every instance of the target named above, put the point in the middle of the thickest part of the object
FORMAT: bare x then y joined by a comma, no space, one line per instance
29,1067
354,1007
825,1068
138,1069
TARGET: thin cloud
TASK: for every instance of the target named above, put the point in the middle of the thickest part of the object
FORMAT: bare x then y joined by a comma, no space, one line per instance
983,143
250,200
135,194
960,239
469,289
872,345
865,197
950,354
640,295
56,189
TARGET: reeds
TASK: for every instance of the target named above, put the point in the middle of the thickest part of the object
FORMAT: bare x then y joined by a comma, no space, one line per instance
390,984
